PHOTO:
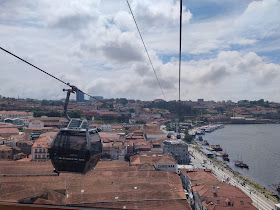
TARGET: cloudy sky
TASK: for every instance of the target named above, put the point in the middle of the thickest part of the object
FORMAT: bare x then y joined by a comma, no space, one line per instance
231,49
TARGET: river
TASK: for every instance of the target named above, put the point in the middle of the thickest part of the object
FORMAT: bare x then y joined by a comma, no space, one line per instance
258,145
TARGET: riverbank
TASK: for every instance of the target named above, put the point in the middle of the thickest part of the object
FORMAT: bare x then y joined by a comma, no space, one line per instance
243,179
257,145
224,173
246,181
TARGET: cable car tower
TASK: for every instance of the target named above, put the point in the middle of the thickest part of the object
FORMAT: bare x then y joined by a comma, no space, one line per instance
178,136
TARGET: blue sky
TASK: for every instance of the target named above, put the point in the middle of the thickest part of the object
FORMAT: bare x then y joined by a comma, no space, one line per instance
230,48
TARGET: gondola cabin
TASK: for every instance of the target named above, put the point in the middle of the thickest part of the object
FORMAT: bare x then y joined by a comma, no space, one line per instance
76,148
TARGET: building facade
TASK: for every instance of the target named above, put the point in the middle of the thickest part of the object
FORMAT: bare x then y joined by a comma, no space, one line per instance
80,96
36,124
6,152
14,114
177,149
39,150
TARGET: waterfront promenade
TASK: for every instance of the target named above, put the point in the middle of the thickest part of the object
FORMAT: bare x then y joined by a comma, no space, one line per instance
259,200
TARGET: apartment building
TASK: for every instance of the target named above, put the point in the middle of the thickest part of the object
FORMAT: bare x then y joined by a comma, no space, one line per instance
177,149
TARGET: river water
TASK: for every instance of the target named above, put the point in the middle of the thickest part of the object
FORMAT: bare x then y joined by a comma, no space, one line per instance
258,145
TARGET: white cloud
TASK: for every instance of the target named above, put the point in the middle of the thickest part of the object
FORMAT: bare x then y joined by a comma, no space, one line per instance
161,13
96,47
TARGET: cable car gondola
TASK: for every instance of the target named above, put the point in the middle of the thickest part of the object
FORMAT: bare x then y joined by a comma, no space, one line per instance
76,148
169,135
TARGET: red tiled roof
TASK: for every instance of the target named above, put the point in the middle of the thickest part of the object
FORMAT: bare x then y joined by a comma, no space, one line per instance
9,131
224,193
5,148
14,112
200,177
151,159
110,185
50,134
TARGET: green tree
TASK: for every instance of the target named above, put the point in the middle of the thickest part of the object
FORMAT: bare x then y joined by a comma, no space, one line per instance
173,106
75,113
140,122
188,138
45,103
122,100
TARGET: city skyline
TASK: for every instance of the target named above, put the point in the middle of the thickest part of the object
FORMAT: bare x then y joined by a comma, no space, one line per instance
74,98
230,49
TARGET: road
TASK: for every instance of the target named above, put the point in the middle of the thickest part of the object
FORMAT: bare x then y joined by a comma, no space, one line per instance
258,199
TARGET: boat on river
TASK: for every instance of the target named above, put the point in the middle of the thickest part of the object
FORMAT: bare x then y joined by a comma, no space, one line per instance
225,156
240,164
205,142
216,147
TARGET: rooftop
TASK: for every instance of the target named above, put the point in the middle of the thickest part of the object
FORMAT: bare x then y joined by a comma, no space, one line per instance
106,186
221,195
151,159
174,142
200,177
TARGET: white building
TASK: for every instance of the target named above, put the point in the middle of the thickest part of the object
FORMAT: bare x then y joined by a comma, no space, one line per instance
3,141
14,114
36,124
26,121
166,164
114,149
39,150
106,127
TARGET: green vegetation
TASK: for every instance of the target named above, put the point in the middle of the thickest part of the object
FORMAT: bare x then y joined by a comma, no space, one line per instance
47,113
140,122
122,100
172,107
51,103
188,138
168,128
71,113
108,119
257,187
196,147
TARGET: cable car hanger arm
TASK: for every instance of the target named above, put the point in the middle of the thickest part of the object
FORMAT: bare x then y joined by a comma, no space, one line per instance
69,91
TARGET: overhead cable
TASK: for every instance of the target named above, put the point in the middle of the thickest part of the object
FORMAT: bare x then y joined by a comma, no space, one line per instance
66,83
146,49
180,49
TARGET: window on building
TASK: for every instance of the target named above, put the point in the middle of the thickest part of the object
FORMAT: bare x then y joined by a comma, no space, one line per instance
242,202
218,201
